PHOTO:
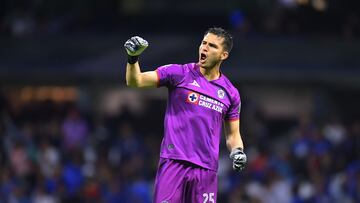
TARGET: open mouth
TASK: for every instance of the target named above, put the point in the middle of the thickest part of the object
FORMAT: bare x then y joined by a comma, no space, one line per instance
202,57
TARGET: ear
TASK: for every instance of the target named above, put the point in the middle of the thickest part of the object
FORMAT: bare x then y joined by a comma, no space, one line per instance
224,55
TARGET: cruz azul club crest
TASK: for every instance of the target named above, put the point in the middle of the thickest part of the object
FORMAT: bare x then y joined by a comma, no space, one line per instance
221,93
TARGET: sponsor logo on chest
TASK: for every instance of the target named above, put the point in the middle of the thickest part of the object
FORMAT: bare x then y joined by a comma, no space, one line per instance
204,101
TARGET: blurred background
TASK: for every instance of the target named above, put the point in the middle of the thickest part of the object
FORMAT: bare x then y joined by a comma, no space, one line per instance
71,131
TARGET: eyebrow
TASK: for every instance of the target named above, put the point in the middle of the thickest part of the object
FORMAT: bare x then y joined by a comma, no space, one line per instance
211,44
214,45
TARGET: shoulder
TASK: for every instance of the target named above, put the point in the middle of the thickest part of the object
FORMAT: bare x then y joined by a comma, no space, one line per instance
177,68
182,67
173,74
230,89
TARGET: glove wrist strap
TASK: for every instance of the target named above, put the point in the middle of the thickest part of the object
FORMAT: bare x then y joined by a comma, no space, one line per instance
133,59
239,148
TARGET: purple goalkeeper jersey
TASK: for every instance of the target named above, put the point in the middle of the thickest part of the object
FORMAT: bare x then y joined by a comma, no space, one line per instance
196,109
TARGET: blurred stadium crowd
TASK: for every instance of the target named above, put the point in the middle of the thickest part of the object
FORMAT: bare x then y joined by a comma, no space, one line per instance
330,17
54,152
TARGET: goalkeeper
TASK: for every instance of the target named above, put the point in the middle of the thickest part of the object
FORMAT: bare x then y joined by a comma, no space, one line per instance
201,99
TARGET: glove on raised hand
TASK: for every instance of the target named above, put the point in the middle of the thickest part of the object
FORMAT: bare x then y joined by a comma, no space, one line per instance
134,47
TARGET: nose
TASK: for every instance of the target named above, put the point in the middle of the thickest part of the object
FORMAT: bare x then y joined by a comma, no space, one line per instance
204,48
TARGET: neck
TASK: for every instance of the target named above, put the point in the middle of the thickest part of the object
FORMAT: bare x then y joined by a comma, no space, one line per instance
211,73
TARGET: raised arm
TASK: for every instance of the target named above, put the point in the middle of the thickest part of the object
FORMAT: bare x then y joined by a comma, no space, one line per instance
134,77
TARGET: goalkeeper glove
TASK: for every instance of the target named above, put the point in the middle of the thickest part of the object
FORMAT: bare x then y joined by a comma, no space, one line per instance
239,159
134,47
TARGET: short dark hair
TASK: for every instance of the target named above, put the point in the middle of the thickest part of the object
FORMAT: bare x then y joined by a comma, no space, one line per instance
220,32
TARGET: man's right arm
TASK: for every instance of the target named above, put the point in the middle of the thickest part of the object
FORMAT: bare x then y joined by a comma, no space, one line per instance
134,77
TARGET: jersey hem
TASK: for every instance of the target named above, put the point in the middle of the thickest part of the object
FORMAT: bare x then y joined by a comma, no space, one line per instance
184,159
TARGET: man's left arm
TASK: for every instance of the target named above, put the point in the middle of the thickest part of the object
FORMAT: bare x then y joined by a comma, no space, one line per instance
235,144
